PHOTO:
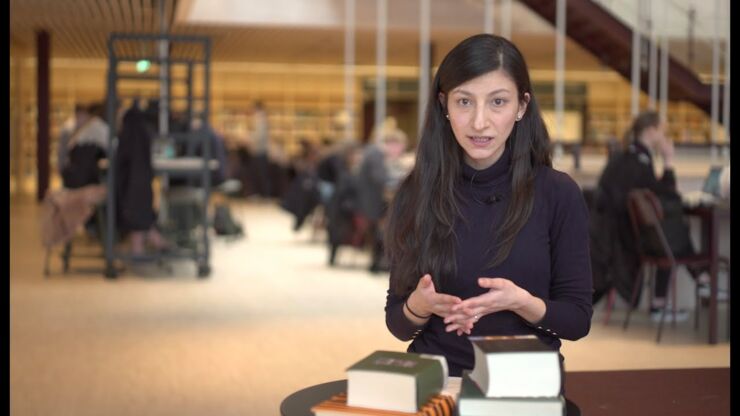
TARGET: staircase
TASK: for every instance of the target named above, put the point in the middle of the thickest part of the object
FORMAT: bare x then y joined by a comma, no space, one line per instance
610,41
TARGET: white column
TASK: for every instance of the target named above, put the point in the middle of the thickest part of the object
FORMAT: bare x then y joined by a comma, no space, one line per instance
559,75
664,64
380,62
349,68
635,109
506,19
488,16
164,111
424,60
653,71
726,95
715,83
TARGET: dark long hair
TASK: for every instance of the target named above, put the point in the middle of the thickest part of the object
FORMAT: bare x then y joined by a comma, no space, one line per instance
643,121
421,237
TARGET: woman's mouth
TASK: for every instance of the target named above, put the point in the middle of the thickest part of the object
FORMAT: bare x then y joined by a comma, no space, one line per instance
480,140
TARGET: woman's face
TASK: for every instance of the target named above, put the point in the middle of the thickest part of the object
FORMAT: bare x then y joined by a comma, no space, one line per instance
393,148
482,114
654,136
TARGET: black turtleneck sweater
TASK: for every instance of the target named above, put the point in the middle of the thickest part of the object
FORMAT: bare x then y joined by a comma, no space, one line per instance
549,258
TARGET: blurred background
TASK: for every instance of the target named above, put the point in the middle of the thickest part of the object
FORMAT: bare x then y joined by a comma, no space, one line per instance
253,278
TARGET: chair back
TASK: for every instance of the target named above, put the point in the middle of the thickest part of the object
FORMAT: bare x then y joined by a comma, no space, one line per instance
646,213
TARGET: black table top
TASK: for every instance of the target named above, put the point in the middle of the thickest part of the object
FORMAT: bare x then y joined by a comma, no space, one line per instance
300,402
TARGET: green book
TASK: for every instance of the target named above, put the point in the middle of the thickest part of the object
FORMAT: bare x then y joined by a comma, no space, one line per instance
472,402
400,381
515,366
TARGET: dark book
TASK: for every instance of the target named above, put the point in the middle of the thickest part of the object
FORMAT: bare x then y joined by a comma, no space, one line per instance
472,402
515,366
399,381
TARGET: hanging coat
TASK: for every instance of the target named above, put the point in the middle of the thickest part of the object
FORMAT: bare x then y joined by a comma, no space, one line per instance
134,173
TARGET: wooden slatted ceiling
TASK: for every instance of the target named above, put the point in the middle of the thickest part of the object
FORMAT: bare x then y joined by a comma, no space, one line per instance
80,29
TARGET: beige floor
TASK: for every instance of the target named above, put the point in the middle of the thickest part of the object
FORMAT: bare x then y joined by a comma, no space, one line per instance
272,318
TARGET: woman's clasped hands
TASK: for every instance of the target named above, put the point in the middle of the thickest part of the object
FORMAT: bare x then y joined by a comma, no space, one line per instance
428,301
461,315
502,295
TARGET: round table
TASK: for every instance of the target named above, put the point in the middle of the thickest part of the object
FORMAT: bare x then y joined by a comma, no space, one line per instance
300,402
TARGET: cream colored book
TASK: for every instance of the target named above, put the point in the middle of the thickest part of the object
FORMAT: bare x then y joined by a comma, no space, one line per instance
515,366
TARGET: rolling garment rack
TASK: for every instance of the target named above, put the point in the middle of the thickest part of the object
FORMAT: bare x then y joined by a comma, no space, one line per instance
193,54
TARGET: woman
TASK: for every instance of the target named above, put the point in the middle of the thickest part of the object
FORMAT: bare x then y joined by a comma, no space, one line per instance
485,238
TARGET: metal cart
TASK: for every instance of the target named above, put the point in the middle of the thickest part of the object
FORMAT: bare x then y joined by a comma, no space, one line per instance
192,53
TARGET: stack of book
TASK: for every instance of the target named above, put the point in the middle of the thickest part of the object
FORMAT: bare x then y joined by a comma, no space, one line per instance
393,384
513,375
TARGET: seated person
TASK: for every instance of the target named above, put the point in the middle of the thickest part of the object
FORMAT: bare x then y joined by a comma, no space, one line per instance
632,169
87,143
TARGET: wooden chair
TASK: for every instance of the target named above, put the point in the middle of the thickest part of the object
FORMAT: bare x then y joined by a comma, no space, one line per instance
646,213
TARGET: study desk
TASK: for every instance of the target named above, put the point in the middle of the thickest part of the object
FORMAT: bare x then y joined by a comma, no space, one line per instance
173,166
710,216
665,392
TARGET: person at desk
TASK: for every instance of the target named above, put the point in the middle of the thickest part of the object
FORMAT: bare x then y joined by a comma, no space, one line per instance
80,151
484,236
632,169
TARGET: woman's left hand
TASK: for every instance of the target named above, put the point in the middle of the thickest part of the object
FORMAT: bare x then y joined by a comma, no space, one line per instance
502,295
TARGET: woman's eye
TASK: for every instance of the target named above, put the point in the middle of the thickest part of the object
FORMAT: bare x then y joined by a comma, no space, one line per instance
499,101
463,101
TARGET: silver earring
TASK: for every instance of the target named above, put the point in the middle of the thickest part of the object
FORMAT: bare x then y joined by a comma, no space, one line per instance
448,116
518,118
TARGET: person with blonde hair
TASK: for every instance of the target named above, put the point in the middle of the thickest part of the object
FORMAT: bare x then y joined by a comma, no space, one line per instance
377,177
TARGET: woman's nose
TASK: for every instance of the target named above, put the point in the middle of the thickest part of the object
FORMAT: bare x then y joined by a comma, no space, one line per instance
480,119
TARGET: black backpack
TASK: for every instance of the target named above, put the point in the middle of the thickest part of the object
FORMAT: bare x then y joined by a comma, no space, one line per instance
224,223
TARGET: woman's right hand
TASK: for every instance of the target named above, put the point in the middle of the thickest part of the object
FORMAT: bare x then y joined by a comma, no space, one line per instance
666,149
425,300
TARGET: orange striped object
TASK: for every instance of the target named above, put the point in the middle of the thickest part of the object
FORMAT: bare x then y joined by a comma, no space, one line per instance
438,405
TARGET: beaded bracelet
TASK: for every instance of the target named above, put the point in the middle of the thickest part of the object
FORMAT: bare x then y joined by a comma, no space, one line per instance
406,303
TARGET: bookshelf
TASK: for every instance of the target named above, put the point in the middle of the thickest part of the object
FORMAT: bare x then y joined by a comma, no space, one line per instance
687,125
290,121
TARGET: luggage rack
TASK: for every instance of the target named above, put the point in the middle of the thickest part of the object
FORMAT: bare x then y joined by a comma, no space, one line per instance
193,54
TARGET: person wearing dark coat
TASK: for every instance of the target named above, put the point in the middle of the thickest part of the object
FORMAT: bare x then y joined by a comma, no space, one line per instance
133,182
302,195
613,245
343,203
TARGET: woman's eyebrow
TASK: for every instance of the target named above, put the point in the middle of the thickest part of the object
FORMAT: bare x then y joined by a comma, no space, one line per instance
464,92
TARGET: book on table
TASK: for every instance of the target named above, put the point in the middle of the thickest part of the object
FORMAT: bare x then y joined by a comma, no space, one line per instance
472,402
399,381
515,366
437,405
